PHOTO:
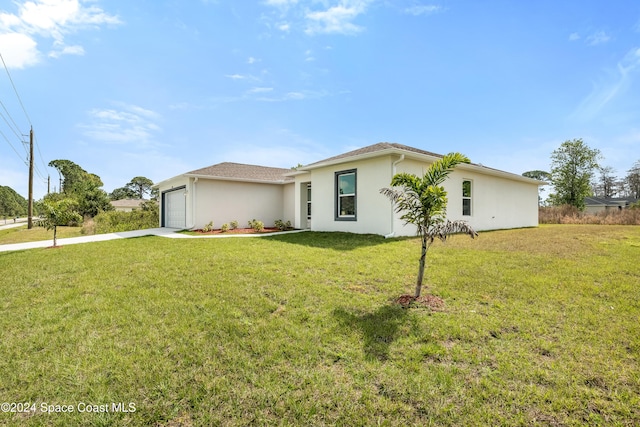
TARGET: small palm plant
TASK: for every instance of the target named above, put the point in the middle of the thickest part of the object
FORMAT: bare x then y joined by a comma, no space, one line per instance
423,203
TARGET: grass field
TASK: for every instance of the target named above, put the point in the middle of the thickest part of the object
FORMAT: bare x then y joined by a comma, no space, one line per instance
22,234
541,327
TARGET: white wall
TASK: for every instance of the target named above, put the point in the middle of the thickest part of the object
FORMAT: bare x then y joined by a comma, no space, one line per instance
496,202
373,210
226,201
289,205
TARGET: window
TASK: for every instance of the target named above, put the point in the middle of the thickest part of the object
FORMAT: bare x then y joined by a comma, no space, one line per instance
346,195
308,201
466,197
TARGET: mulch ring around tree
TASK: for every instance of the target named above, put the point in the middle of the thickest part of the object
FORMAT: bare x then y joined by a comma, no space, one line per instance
431,302
240,231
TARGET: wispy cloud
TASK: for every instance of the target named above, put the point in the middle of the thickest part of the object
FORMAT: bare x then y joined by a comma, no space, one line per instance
247,77
309,56
336,19
613,86
126,124
260,90
284,26
599,37
317,17
40,20
67,50
281,3
426,9
574,36
294,96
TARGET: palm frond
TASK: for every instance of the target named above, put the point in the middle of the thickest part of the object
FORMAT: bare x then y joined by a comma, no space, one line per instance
445,229
439,170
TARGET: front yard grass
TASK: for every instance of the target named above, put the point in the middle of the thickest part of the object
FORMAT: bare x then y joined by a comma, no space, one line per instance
22,234
541,327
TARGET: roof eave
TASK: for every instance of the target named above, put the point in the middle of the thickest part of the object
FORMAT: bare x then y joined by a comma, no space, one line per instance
500,173
225,178
364,156
420,156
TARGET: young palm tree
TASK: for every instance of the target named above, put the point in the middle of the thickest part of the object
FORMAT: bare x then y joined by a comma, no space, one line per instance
423,203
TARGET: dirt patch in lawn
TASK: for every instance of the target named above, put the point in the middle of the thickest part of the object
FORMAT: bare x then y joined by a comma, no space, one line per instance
432,302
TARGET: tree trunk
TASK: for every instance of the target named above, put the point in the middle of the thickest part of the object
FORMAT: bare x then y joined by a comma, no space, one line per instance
421,267
55,230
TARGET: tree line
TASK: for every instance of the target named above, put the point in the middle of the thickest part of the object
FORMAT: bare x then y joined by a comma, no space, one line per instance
577,173
11,203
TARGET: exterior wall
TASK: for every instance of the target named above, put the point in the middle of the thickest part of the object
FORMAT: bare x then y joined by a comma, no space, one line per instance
595,209
300,201
226,201
176,183
289,207
496,203
373,210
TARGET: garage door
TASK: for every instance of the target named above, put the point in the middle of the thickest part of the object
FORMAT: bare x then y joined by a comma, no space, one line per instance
175,209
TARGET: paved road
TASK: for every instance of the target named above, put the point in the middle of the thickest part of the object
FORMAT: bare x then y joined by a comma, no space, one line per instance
12,225
163,232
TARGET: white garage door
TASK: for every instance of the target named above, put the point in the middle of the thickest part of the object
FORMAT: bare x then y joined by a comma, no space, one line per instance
175,209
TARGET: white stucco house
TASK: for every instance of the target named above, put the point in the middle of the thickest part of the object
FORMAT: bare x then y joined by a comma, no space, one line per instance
342,193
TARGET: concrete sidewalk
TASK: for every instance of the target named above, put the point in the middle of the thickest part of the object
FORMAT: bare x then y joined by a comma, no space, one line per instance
163,232
16,225
87,239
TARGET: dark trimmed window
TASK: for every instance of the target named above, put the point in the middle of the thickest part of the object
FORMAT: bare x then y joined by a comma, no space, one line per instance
466,198
346,203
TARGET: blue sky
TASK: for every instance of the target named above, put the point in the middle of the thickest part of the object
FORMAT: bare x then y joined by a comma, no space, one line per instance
157,88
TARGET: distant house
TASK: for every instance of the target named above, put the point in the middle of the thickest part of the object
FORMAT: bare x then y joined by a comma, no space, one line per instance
341,193
601,204
127,205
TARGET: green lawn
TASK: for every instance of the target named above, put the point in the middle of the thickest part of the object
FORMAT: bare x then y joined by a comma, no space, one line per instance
22,234
541,327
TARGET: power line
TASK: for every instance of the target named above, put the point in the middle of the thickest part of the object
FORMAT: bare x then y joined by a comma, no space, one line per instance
15,130
11,145
16,90
40,152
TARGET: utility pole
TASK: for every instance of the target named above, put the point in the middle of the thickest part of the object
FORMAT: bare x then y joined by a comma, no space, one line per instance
30,210
48,184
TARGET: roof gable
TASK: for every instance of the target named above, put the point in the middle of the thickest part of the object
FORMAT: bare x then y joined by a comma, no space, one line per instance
384,148
242,172
381,146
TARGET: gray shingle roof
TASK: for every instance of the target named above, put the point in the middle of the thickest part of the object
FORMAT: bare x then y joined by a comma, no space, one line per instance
603,201
127,203
376,147
241,171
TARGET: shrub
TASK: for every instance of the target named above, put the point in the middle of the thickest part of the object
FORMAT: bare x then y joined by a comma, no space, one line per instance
225,227
234,224
116,221
258,226
207,228
282,226
570,215
88,227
